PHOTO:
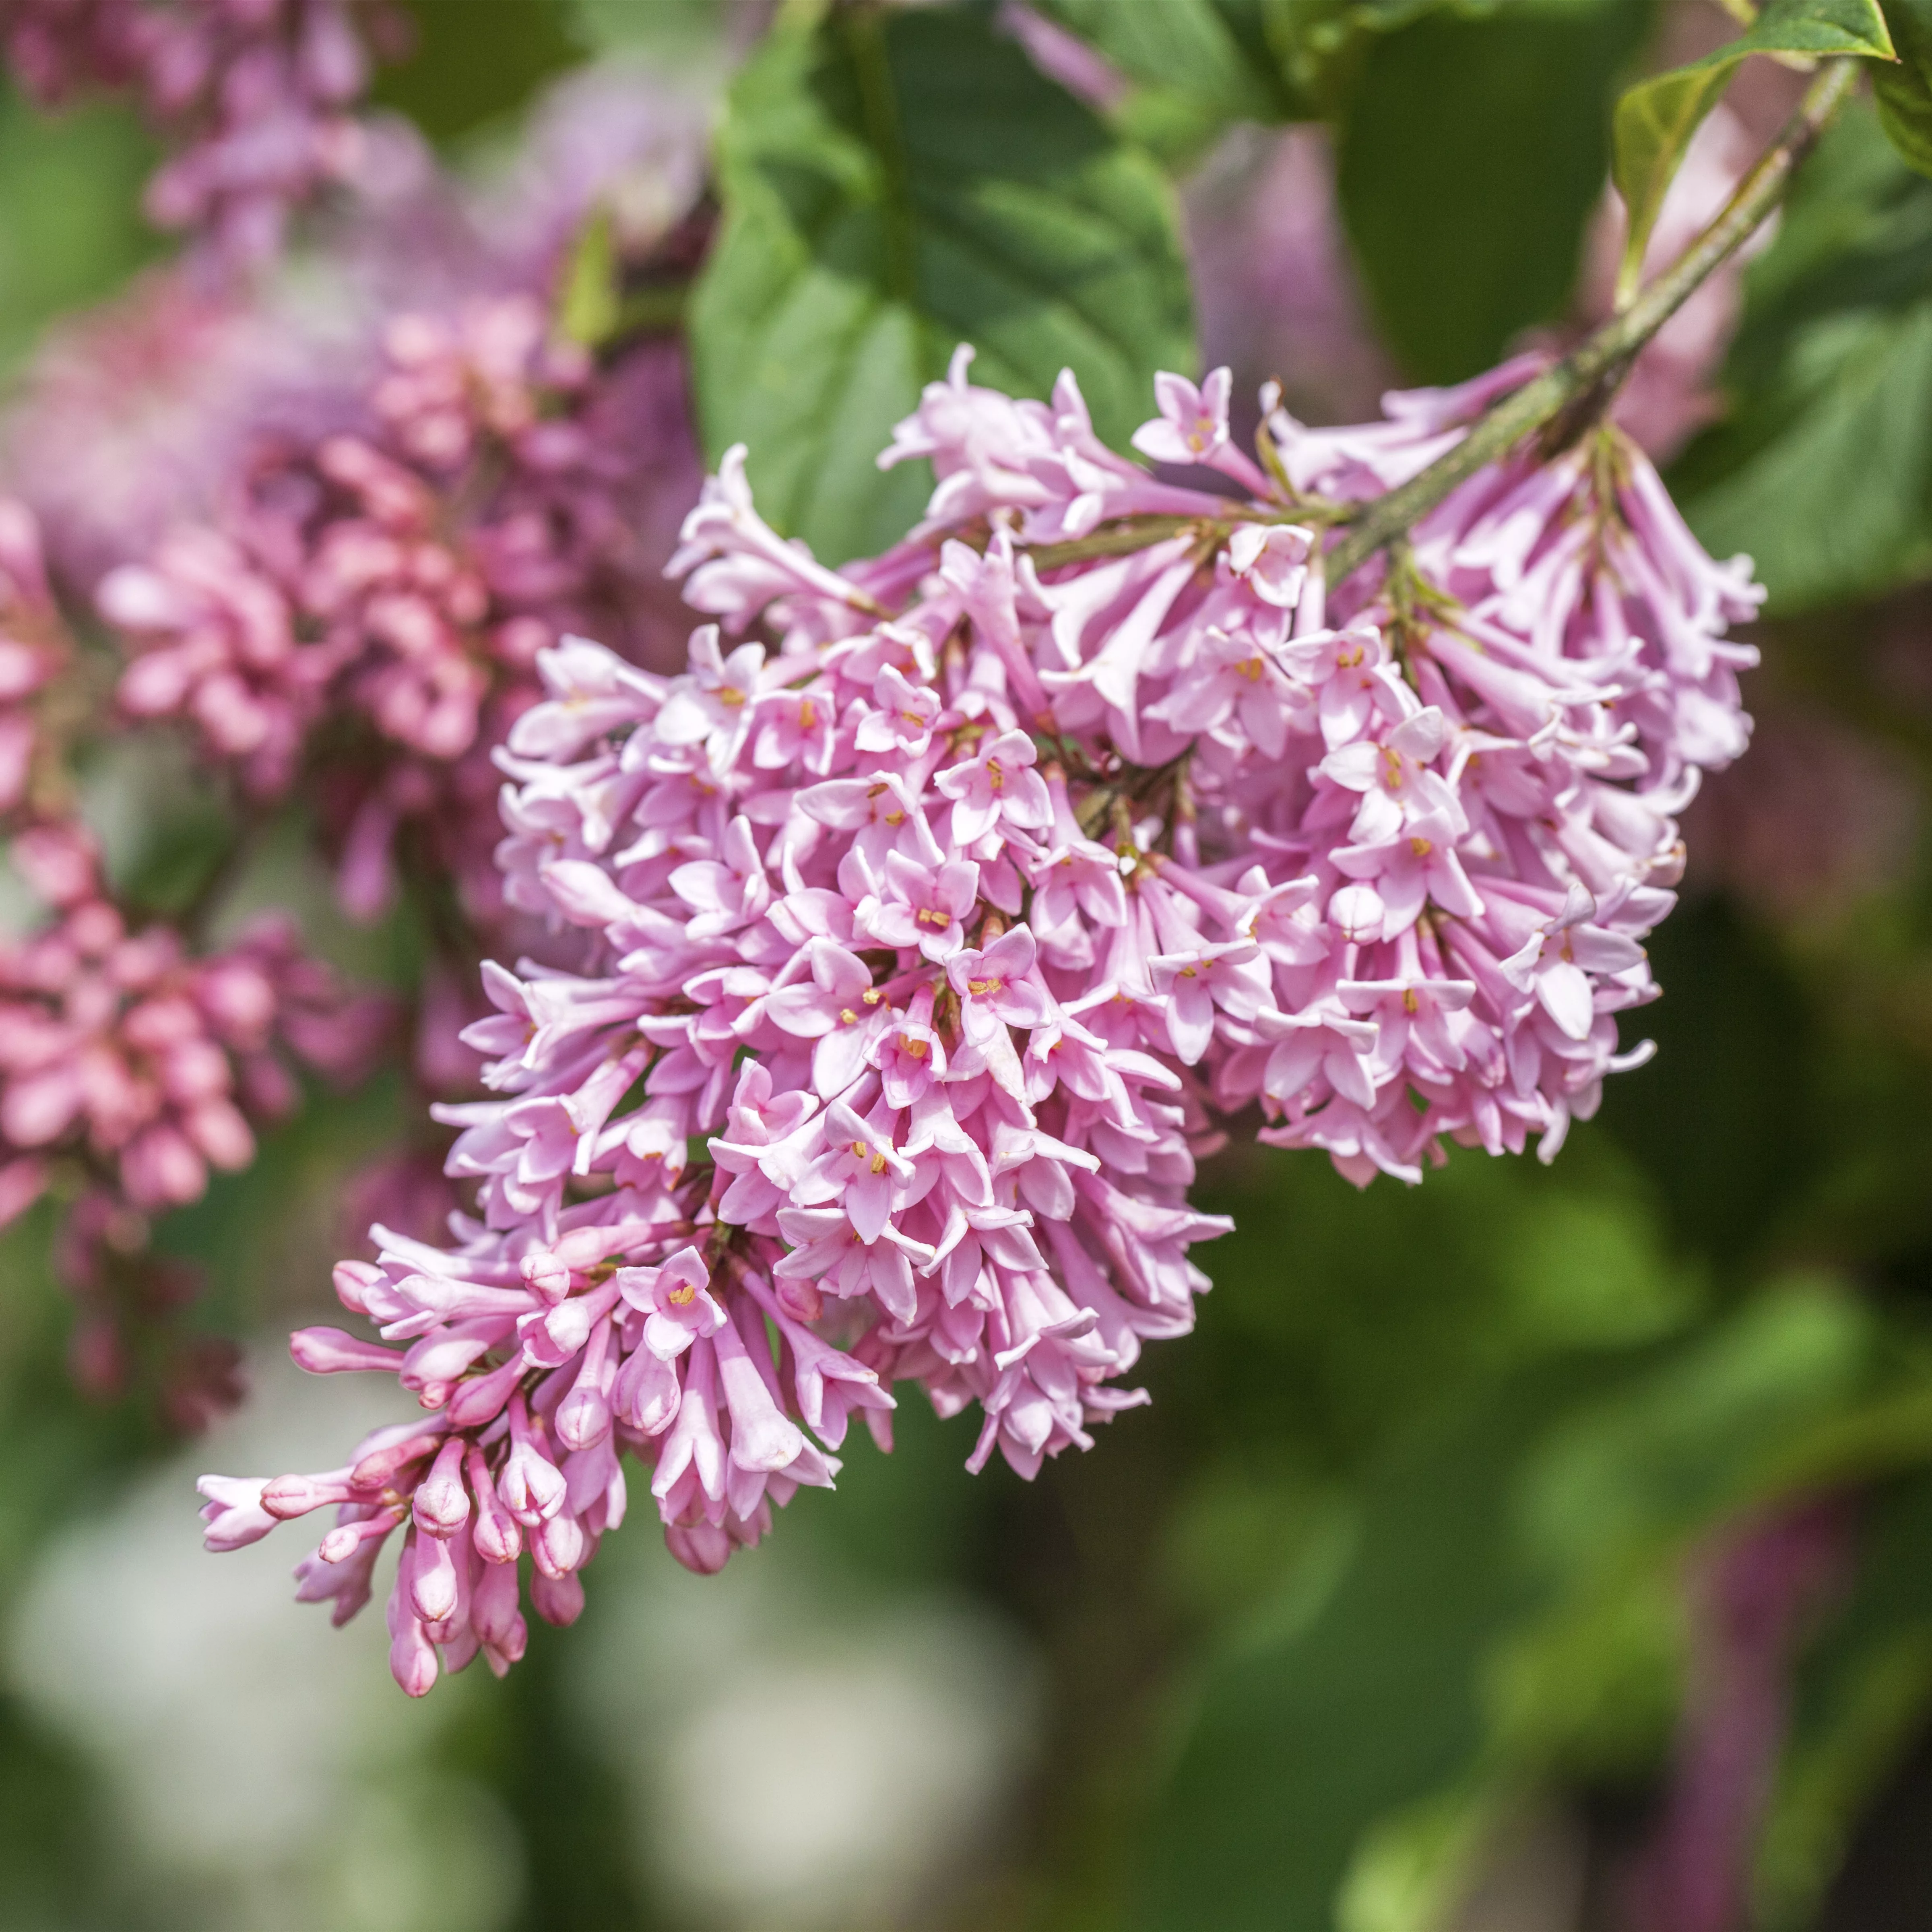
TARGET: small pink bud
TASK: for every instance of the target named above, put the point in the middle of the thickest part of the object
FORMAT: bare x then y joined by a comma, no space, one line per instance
329,1351
378,1469
290,1496
353,1280
442,1504
557,1600
497,1536
432,1584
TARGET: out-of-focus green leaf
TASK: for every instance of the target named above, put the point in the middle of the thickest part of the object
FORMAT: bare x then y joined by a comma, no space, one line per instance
894,184
1215,52
1656,119
70,225
1724,1122
1903,89
673,34
57,1869
1472,153
1693,1441
1590,1692
1823,471
470,63
1196,66
1589,1688
1485,1540
1337,1314
1298,1749
1410,1871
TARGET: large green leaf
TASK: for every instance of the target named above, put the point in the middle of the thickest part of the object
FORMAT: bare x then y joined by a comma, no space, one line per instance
1656,119
1473,152
1822,471
894,184
1903,88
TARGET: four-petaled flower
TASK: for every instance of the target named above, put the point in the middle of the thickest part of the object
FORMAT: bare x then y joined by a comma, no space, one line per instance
999,782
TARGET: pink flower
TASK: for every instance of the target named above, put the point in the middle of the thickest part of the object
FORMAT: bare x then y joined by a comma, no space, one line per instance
998,784
920,905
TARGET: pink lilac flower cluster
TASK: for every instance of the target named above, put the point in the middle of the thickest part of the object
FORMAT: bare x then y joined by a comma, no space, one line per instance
924,938
128,1070
253,97
120,1052
404,580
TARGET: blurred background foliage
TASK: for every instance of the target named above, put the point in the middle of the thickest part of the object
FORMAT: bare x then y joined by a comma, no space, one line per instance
1384,1616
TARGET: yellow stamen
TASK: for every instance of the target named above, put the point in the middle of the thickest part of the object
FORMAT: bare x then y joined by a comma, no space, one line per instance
684,1294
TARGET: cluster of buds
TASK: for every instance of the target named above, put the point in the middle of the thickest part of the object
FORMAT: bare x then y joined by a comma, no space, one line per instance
123,1055
254,98
129,1069
402,582
921,951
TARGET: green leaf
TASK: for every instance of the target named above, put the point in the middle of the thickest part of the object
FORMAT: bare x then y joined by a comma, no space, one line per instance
70,226
1472,154
465,70
1196,66
1823,471
895,185
1656,119
1903,90
1214,52
590,304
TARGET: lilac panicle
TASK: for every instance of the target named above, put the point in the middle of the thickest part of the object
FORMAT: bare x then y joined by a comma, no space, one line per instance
923,940
405,576
120,1051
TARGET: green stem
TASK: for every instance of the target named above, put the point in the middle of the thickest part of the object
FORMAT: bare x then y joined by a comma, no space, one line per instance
1120,539
1601,358
1126,535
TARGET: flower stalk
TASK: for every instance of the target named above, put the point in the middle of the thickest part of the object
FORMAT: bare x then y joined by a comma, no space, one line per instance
1592,371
